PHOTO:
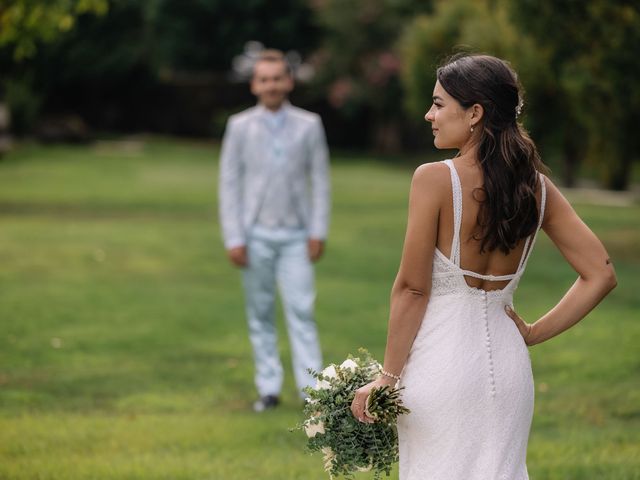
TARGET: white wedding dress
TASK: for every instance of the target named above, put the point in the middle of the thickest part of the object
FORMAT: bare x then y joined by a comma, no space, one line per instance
468,380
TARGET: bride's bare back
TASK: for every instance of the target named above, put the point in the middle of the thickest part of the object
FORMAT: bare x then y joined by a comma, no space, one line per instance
486,263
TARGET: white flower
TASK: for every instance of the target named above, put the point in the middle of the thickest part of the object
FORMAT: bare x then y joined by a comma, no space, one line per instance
349,364
374,368
322,385
312,429
329,372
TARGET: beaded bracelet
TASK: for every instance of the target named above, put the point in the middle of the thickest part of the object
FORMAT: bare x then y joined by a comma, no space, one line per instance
390,375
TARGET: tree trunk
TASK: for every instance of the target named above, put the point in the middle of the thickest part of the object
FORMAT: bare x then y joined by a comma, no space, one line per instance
573,155
621,172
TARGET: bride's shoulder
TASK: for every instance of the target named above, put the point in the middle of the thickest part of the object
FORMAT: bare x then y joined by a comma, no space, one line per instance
434,175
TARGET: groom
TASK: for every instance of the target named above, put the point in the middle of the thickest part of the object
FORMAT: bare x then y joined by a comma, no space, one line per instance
274,212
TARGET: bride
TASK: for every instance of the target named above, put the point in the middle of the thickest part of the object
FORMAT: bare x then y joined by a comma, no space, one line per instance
454,342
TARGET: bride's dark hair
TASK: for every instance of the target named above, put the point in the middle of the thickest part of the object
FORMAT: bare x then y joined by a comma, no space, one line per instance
507,155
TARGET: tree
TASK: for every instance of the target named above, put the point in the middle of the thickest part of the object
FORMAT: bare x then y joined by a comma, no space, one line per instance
592,57
464,26
358,64
111,67
25,26
207,34
26,23
574,58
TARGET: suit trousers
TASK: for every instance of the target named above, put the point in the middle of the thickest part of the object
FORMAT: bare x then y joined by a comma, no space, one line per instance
280,257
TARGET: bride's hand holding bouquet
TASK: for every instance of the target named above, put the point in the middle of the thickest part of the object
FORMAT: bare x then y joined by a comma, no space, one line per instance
362,396
351,416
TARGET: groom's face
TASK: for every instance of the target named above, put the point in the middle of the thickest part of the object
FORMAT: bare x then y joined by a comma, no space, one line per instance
271,83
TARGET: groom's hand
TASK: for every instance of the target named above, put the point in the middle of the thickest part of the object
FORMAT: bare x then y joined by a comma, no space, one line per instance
238,256
316,249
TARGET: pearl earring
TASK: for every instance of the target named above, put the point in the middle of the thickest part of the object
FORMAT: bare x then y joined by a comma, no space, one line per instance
471,129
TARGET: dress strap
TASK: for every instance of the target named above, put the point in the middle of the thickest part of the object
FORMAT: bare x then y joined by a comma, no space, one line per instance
489,277
457,212
528,246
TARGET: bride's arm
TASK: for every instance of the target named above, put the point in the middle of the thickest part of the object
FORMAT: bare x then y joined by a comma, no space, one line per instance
410,292
412,286
588,257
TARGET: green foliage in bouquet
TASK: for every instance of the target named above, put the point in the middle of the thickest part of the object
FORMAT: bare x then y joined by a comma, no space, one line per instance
348,445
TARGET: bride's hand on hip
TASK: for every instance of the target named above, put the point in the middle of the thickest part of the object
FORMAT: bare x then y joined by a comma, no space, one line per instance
359,404
523,327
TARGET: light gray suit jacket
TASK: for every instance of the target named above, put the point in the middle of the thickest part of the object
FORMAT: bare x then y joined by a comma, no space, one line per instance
245,171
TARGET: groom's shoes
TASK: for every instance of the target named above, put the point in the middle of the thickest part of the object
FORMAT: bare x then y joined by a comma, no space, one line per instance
266,403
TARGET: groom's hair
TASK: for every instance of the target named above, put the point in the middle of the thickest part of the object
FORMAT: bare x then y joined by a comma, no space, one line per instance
273,55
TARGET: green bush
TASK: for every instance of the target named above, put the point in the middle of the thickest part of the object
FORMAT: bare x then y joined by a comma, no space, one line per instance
24,104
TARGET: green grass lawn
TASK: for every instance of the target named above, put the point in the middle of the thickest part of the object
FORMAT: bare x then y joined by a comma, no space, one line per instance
123,344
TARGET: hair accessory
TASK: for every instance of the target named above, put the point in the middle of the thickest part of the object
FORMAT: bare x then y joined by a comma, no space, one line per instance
519,107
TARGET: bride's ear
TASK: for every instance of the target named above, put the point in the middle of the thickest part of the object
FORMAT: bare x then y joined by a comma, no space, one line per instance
477,112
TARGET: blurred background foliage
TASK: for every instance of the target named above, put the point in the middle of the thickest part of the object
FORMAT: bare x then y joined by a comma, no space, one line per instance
76,69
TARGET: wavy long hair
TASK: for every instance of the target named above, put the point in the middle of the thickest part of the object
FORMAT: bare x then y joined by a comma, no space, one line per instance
509,159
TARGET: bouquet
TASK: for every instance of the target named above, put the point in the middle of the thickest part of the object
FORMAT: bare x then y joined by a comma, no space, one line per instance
349,445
